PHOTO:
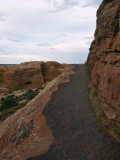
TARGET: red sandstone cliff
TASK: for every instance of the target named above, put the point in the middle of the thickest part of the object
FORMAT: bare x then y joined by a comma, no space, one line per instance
104,58
28,75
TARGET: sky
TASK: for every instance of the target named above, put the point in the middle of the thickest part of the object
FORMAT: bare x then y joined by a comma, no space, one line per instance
46,30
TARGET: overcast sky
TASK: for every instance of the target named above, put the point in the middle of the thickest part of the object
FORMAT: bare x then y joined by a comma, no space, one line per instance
45,30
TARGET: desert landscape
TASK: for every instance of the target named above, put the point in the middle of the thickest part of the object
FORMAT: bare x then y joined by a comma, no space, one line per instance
59,111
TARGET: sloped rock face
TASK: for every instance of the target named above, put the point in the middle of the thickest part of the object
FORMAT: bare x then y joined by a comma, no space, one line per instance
28,75
26,134
104,58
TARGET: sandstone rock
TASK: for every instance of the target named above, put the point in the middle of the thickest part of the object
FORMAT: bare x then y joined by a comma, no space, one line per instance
28,75
104,58
26,133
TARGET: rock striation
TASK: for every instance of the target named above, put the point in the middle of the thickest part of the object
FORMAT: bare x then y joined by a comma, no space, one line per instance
28,75
104,58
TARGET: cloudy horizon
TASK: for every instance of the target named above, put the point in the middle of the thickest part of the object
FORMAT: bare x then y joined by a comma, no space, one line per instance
46,30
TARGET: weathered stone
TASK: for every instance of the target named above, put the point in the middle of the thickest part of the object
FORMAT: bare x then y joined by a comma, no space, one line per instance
104,58
26,133
28,75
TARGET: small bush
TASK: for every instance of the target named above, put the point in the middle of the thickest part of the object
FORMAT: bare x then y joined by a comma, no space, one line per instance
10,92
30,94
5,114
8,102
22,104
41,88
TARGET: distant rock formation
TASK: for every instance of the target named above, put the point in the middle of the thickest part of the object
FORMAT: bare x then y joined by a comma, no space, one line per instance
28,75
104,58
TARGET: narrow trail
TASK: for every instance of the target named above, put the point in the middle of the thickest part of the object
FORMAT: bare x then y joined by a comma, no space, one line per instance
72,120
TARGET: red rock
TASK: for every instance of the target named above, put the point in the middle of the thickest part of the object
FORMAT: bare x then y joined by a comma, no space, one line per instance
104,58
28,75
26,133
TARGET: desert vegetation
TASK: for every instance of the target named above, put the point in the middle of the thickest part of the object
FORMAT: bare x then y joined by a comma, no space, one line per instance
11,102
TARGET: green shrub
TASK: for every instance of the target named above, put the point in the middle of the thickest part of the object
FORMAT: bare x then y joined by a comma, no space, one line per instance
5,114
30,94
41,88
8,102
10,92
22,104
8,112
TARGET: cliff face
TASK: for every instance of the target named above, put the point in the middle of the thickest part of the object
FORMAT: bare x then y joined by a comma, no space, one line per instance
104,58
28,75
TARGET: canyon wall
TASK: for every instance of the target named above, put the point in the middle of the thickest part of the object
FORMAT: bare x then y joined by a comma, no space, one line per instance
104,58
28,75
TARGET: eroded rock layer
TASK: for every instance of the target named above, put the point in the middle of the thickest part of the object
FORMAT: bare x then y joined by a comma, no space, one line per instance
104,58
26,133
28,75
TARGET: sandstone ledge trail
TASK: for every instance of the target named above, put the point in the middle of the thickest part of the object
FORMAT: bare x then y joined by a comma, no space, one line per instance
72,120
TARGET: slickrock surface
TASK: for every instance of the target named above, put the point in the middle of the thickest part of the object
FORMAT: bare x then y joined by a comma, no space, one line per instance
104,58
26,134
28,75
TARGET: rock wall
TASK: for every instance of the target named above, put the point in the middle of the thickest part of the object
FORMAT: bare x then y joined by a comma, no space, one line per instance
104,58
28,75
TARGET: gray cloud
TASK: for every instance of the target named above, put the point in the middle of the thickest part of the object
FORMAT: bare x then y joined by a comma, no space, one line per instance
3,16
36,34
88,38
52,48
44,44
93,2
13,40
88,42
67,4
